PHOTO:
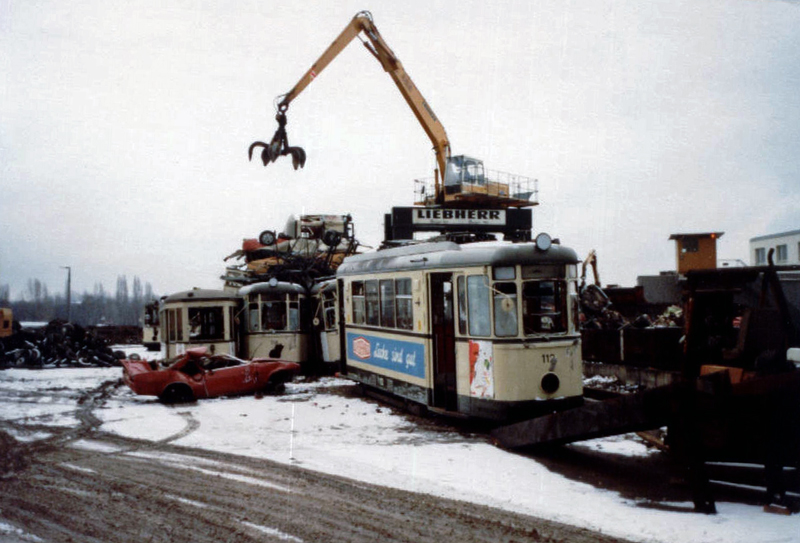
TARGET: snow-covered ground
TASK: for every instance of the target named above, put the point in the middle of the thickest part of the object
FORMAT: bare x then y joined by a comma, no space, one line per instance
334,433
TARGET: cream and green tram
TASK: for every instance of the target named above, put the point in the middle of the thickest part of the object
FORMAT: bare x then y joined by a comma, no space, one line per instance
276,321
483,330
326,323
199,318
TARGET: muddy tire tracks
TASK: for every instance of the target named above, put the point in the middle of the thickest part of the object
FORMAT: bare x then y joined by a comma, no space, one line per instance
129,490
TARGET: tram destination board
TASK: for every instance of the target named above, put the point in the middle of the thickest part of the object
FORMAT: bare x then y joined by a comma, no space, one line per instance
404,221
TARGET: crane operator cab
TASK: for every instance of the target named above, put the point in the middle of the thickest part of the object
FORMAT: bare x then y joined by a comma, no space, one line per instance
467,182
463,174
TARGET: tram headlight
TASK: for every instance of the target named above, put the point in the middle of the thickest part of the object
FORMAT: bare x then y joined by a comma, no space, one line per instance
543,241
550,382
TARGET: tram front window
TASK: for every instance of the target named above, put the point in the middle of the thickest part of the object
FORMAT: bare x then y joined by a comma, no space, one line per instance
294,316
273,315
478,302
206,323
543,307
253,319
505,309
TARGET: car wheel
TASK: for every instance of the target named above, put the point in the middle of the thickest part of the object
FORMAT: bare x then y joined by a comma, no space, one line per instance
177,394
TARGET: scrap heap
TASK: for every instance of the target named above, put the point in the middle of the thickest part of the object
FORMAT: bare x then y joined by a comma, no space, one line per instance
309,248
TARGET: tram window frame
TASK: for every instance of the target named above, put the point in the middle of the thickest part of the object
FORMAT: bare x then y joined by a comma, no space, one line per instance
404,304
329,310
386,289
359,302
461,290
206,323
171,324
479,306
267,322
504,273
293,316
164,328
373,306
253,316
506,320
532,320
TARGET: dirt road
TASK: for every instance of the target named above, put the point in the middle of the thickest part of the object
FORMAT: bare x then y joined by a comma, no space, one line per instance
84,485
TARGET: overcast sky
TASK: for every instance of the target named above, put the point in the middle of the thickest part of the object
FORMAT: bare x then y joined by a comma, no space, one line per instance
124,126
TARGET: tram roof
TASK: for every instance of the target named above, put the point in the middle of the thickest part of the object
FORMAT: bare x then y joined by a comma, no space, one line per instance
446,254
279,286
200,295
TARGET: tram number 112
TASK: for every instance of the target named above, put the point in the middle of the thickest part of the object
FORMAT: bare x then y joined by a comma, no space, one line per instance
550,360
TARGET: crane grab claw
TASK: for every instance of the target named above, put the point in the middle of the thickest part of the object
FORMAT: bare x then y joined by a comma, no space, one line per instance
279,146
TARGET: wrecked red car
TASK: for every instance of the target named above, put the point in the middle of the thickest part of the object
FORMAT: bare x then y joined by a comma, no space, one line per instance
199,374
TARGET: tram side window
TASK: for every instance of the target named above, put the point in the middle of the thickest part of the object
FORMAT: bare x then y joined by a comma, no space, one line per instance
171,319
505,309
206,323
478,298
387,303
373,305
405,313
358,302
543,307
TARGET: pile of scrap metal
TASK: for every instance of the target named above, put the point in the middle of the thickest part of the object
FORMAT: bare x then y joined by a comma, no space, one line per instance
599,311
310,247
738,396
58,344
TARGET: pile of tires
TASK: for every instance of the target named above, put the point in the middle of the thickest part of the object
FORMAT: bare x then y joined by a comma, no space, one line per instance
59,344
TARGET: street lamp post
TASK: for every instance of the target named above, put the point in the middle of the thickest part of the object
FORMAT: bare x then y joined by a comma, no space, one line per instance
69,292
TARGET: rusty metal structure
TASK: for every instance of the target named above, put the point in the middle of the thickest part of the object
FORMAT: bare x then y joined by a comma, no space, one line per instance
738,395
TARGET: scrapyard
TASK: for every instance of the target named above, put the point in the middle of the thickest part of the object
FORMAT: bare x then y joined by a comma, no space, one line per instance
466,351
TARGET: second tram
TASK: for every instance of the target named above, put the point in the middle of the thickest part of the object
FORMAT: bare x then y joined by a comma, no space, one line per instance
276,321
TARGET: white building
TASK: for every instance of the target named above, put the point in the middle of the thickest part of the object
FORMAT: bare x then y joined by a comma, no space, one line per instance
786,245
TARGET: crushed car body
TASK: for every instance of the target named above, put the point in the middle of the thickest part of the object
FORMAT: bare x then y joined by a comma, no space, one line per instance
198,374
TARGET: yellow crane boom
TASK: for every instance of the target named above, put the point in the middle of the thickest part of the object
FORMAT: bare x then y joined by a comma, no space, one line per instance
362,23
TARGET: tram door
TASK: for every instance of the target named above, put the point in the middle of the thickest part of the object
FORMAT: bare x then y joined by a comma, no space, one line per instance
444,342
